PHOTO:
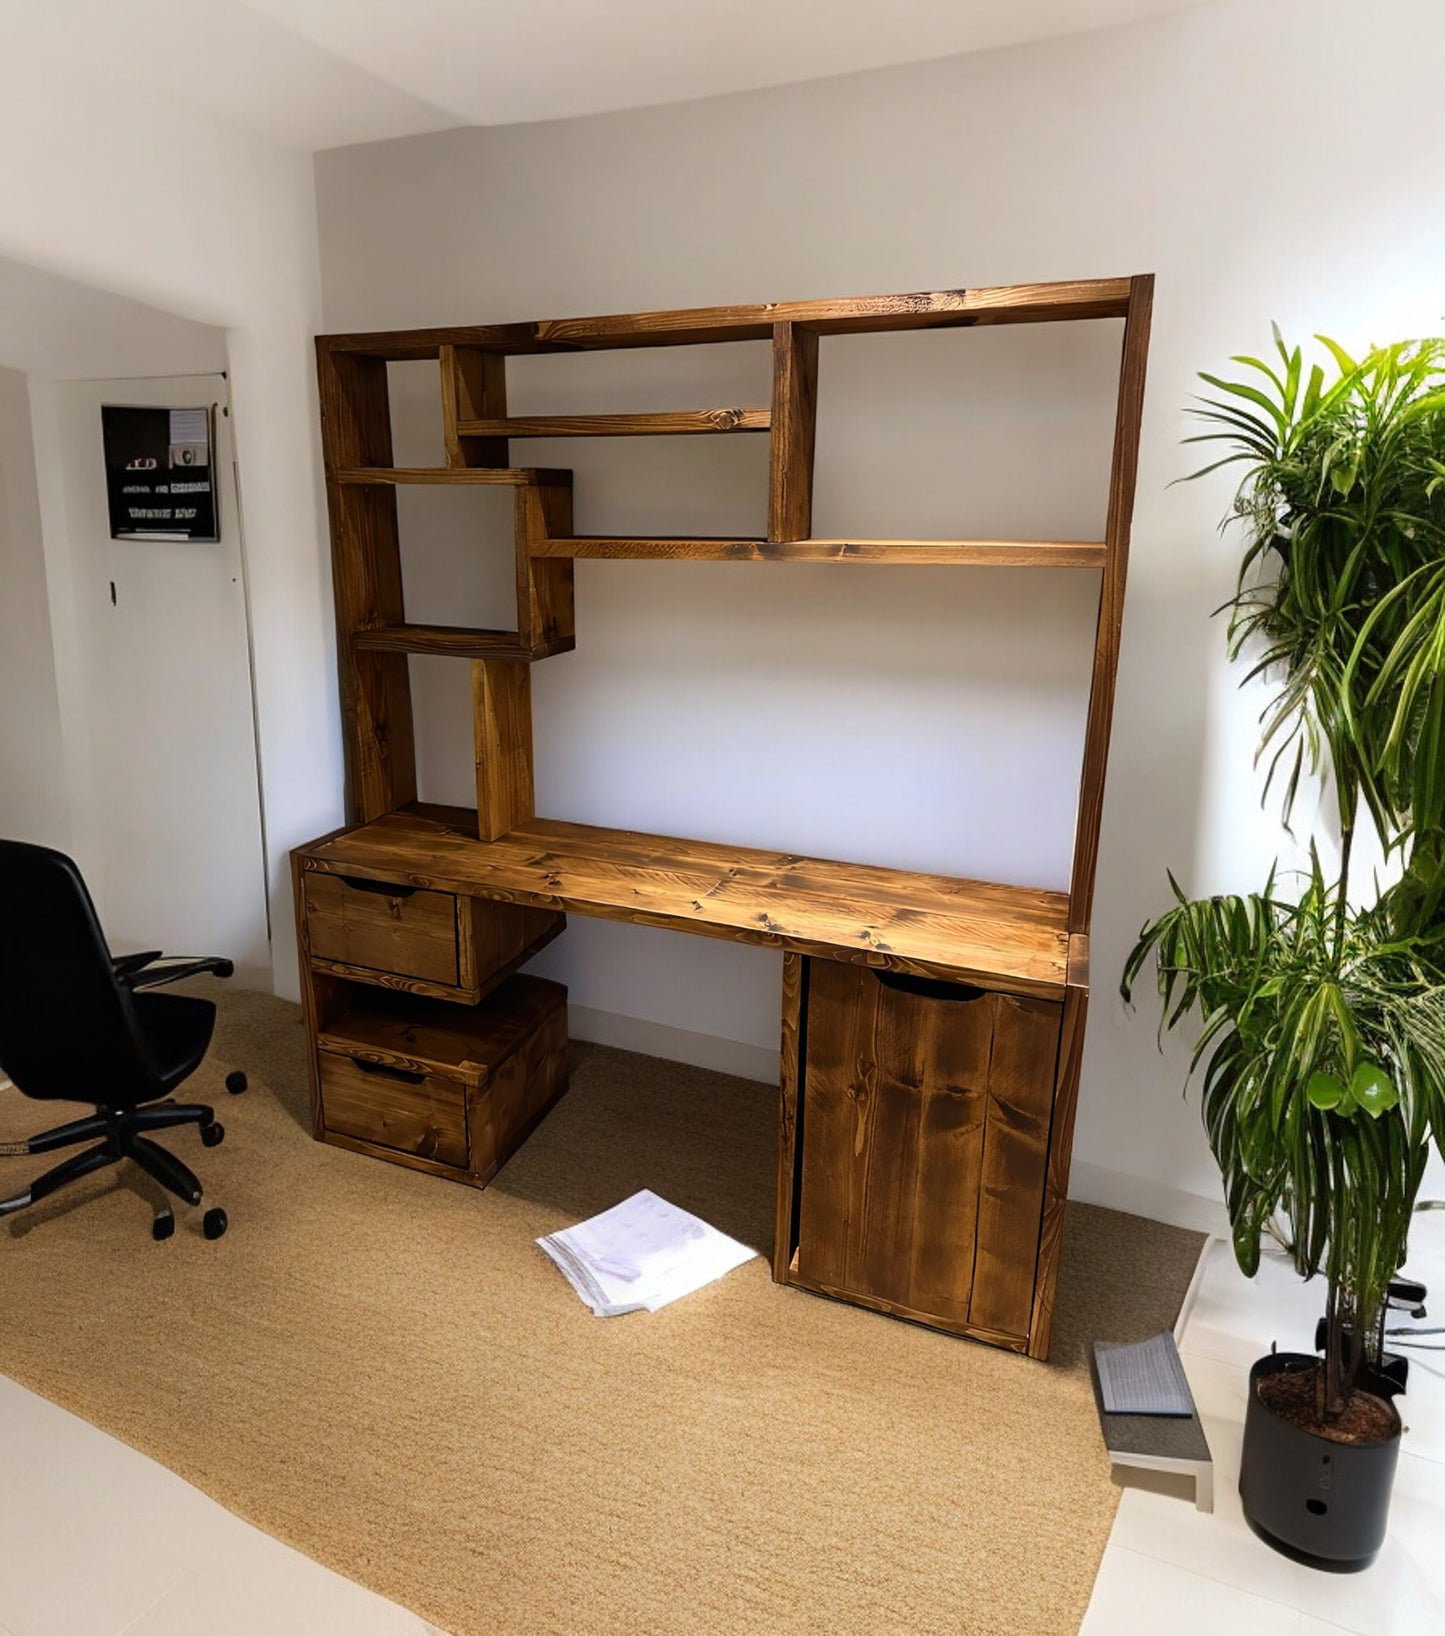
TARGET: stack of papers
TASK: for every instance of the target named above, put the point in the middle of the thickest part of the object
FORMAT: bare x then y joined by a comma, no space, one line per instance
642,1254
1145,1378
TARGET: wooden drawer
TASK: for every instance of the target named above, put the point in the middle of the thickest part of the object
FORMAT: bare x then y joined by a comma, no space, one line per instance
409,1112
442,1087
378,926
924,1120
422,941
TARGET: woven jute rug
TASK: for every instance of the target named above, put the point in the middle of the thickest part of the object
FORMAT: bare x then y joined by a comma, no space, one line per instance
383,1370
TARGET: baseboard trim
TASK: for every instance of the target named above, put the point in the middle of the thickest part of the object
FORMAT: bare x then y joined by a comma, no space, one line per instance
1138,1196
655,1039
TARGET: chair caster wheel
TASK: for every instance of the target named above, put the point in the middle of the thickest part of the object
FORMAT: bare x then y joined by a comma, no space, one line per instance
163,1227
236,1082
214,1134
214,1223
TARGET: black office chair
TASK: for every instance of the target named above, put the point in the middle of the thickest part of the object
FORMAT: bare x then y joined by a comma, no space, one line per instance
75,1026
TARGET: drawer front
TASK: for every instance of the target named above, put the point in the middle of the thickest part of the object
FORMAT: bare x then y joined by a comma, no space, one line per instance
925,1130
382,927
420,1114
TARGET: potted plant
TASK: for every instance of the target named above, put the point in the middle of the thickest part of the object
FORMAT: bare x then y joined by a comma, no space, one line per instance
1321,1017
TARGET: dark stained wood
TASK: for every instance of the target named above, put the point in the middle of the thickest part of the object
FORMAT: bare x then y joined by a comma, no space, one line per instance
785,1238
386,1106
1013,937
666,423
455,641
913,553
932,309
897,1309
1015,1158
795,415
502,717
451,1090
474,384
410,933
383,476
1056,1182
1111,599
545,604
316,989
366,580
496,938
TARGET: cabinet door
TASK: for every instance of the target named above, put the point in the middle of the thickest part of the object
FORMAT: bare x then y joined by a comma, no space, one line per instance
925,1126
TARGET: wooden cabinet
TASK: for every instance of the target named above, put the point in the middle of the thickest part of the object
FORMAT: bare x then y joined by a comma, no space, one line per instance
921,1121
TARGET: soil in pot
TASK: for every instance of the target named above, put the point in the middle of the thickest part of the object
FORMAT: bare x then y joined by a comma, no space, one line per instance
1292,1396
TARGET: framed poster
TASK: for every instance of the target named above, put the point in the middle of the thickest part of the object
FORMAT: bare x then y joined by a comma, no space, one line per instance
158,476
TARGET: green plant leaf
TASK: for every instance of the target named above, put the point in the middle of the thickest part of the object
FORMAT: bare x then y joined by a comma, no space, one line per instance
1324,1091
1373,1089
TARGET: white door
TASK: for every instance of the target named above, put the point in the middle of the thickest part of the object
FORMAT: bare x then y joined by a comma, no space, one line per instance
167,819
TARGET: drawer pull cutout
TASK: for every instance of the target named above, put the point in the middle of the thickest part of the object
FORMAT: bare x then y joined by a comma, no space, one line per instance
385,1069
930,988
380,888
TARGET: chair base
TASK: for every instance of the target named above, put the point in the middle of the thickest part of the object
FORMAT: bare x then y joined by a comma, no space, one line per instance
122,1136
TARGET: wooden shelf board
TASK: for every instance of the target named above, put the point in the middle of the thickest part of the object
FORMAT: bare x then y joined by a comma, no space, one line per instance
1011,938
507,476
455,641
929,309
975,553
669,423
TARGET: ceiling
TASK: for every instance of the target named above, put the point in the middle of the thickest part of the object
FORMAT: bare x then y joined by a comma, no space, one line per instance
326,73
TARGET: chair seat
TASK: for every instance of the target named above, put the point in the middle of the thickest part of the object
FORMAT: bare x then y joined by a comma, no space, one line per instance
178,1030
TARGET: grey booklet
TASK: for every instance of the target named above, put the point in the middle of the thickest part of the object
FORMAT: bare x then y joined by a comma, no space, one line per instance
1145,1377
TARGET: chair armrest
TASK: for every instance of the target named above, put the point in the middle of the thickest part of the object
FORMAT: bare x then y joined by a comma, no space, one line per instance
152,976
126,964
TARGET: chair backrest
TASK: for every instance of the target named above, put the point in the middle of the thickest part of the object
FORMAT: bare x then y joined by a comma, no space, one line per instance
68,1027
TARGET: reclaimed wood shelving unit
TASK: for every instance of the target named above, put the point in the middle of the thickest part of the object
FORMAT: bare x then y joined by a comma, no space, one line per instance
932,1026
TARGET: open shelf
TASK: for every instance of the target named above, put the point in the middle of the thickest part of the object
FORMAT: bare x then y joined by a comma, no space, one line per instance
669,423
506,476
975,553
1007,937
455,641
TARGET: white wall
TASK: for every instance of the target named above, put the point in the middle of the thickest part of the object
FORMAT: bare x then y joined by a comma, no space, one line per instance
159,202
1276,161
32,769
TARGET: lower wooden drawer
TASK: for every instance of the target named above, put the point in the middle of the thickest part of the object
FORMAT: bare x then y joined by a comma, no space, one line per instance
421,1114
441,1087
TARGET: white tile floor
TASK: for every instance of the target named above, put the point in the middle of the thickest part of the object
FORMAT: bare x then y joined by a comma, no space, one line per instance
98,1540
1168,1566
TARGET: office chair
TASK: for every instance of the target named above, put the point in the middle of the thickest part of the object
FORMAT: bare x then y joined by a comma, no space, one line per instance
77,1025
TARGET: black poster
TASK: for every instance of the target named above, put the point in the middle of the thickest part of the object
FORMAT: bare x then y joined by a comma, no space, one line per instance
158,474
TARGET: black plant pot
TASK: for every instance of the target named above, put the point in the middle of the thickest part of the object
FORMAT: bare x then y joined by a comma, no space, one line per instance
1322,1502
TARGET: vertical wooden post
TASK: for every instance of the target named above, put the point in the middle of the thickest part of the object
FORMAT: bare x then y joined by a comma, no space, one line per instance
545,619
794,424
790,1111
502,719
366,578
474,387
1111,598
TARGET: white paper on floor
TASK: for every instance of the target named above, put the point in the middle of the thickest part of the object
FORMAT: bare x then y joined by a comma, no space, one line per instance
641,1254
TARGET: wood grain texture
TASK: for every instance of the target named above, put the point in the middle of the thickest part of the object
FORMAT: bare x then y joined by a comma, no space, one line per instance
424,1116
794,421
520,1093
385,477
545,602
897,1309
313,987
375,688
785,1236
1021,1072
455,641
664,423
1012,937
409,933
494,939
502,721
1056,1182
911,553
474,384
928,309
1123,472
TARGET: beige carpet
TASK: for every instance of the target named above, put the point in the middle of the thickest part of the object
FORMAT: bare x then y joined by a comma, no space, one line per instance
383,1370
